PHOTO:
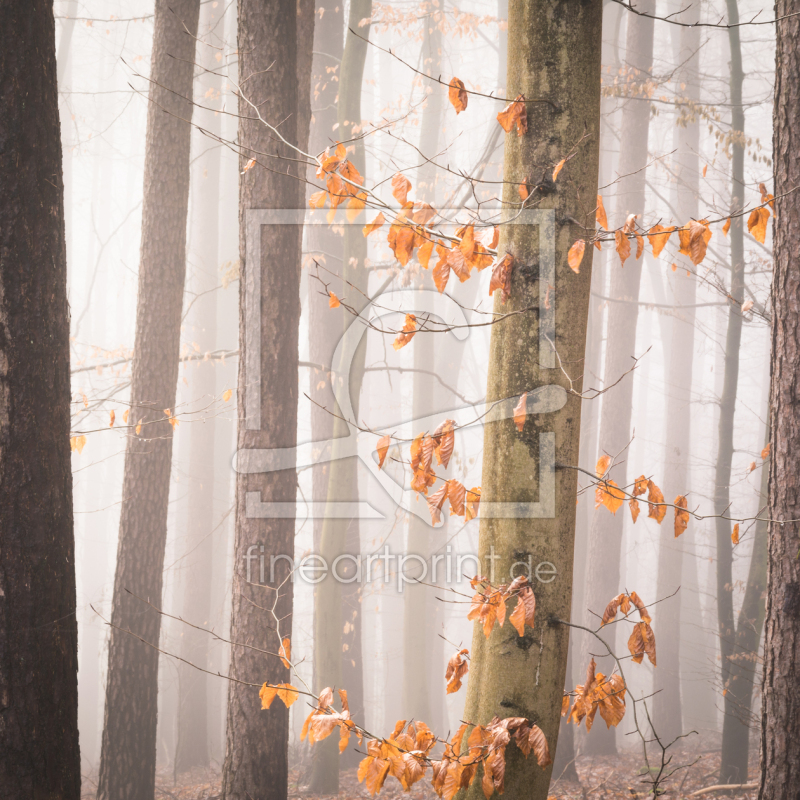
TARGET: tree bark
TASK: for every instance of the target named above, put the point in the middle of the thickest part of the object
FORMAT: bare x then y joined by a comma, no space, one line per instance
731,770
39,754
780,725
605,542
553,53
340,536
128,755
272,50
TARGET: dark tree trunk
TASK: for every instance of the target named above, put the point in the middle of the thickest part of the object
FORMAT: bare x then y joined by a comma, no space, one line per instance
128,756
39,755
731,770
273,40
780,726
605,542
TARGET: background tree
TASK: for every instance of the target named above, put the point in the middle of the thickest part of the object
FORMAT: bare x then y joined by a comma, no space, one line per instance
39,754
128,756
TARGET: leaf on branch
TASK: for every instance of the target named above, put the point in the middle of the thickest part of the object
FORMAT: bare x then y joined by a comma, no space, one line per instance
694,238
623,246
538,742
757,223
558,168
639,244
441,272
735,534
608,494
407,333
765,452
515,113
374,225
655,498
766,197
445,438
501,277
600,214
633,505
112,418
226,395
457,668
726,227
659,236
401,186
382,449
459,264
333,300
603,463
640,607
436,503
457,95
641,642
355,206
287,693
456,494
473,503
681,515
317,200
424,253
285,652
747,305
575,256
520,411
640,486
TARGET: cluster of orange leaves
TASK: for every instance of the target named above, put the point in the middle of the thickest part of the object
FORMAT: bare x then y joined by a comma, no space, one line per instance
609,494
598,693
642,641
489,604
463,502
694,236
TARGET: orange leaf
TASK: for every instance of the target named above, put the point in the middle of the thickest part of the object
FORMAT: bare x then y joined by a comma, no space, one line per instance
575,256
501,277
424,253
603,463
382,449
456,494
441,272
267,694
608,494
285,652
111,418
333,300
623,246
355,206
757,223
681,515
735,534
659,236
517,617
445,438
401,186
287,693
436,503
473,503
317,200
374,225
520,411
457,95
558,168
515,113
655,499
633,504
407,333
457,668
600,214
727,226
765,452
640,486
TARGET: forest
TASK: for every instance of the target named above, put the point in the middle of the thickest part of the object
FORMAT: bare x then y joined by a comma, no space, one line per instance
399,398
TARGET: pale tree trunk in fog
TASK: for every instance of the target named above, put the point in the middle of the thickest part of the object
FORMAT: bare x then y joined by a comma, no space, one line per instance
39,754
128,756
732,768
780,723
667,703
339,536
553,53
605,539
419,601
197,567
274,44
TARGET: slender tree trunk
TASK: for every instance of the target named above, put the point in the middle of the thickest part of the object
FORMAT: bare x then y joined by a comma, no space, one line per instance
272,46
605,543
780,723
340,536
667,703
128,756
39,754
731,771
553,53
197,566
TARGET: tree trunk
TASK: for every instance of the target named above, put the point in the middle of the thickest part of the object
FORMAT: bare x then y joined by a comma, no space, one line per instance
128,756
39,755
272,44
605,541
667,703
730,771
197,566
780,725
554,54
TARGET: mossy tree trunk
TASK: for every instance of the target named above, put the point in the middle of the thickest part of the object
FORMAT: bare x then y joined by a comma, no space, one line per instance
553,54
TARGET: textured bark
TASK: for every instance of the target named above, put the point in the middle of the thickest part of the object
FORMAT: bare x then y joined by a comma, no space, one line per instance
340,536
39,755
667,703
128,755
256,758
731,771
197,566
553,53
605,542
780,725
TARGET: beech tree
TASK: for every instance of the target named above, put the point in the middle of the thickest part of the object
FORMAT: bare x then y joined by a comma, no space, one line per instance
780,726
39,754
